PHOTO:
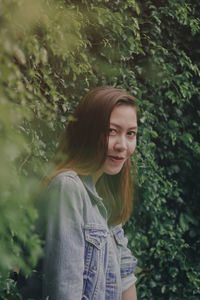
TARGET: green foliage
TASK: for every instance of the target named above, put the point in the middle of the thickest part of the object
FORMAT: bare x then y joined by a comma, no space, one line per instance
52,52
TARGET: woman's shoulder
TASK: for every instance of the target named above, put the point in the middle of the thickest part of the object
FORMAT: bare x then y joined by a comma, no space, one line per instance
66,179
64,176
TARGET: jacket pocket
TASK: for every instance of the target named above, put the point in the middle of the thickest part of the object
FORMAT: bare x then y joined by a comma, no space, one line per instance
96,235
94,259
128,261
119,236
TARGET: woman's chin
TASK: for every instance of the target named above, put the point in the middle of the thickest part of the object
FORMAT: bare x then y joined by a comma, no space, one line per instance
113,171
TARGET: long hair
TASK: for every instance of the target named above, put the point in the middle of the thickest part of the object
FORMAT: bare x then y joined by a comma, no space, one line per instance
83,149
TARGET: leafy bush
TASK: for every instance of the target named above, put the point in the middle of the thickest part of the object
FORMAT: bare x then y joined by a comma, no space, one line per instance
52,53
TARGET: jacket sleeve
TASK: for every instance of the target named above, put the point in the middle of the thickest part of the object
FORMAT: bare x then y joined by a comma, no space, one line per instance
128,261
64,249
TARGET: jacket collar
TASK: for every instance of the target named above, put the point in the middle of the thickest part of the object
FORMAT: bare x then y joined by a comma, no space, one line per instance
88,183
90,186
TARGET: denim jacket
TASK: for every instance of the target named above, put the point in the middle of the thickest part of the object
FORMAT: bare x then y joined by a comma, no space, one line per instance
84,257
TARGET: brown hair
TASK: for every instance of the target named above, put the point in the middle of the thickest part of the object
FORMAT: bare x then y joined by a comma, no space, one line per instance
83,148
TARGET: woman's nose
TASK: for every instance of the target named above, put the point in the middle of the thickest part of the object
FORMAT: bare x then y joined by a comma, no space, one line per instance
120,144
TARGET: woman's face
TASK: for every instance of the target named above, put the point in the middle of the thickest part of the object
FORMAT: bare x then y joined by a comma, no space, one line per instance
122,139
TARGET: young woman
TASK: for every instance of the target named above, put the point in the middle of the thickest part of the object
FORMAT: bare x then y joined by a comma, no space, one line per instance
89,196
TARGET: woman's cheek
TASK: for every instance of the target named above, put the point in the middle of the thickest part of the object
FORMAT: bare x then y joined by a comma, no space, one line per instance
132,147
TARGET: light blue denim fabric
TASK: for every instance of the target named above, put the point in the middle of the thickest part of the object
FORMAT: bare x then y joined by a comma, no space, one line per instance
84,257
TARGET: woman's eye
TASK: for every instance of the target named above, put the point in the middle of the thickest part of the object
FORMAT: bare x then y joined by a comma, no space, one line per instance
132,133
112,131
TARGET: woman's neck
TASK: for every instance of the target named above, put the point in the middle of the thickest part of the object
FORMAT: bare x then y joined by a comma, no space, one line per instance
96,176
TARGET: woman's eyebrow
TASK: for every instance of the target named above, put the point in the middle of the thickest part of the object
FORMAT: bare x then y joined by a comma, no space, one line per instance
118,126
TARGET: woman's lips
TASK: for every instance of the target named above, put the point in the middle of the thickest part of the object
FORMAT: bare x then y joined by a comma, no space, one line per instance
116,159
